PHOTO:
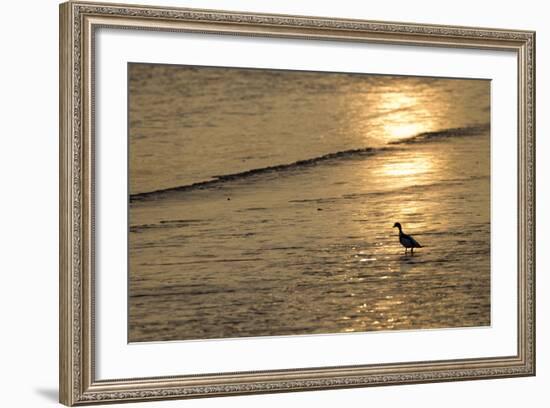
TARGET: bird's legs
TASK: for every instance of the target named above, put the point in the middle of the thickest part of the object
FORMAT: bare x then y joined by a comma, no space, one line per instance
412,251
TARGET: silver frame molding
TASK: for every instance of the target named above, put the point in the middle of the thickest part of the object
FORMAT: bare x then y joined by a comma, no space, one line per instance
78,22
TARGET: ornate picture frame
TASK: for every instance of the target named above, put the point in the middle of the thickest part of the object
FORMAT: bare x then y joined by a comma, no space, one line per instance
78,24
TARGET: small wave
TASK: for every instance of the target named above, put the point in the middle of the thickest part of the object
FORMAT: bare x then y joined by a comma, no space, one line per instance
219,180
165,224
444,134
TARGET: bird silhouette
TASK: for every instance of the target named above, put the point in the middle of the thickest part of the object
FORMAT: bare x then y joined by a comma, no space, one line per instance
406,240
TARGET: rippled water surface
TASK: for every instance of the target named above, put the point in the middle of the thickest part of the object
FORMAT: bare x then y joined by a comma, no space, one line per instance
262,202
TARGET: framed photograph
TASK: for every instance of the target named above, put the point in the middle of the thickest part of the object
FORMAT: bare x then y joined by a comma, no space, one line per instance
256,203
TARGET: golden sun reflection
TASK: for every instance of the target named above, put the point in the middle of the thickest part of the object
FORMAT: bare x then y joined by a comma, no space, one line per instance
404,170
412,167
407,115
379,315
403,130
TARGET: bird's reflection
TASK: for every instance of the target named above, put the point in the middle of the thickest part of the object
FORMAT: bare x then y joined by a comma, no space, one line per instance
406,264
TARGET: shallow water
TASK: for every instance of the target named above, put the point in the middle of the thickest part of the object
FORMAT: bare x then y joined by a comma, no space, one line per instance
307,247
